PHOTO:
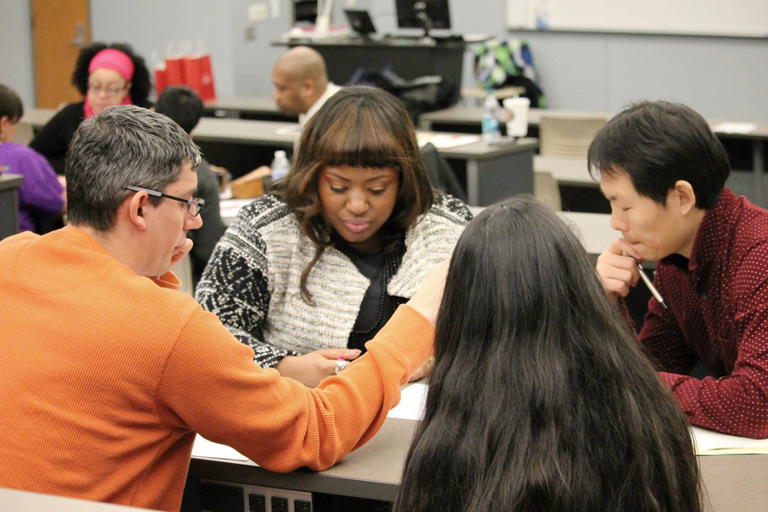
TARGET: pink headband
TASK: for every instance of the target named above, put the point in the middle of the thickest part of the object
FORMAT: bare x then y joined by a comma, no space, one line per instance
114,60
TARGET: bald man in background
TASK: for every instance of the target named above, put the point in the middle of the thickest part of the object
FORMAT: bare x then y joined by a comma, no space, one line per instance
301,83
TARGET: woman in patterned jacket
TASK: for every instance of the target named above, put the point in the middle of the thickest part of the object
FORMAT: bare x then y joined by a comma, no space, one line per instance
308,274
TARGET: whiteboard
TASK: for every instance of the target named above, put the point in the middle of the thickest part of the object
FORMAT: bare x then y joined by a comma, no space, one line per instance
742,18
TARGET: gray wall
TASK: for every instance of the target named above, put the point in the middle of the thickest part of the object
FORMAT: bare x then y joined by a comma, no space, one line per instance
16,64
152,28
720,77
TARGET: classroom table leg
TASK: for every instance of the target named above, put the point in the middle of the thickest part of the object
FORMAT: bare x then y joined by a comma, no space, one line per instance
473,183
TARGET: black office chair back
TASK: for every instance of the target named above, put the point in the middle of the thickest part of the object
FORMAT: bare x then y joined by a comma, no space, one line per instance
440,173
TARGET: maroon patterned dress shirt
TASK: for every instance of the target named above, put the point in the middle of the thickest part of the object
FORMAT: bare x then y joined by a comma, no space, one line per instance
718,313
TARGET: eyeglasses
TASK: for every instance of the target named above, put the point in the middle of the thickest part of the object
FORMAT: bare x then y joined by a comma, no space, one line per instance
194,205
110,92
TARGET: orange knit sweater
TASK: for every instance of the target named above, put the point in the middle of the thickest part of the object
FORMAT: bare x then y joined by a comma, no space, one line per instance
106,376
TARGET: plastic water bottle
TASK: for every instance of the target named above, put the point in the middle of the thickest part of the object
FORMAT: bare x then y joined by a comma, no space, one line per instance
491,130
280,165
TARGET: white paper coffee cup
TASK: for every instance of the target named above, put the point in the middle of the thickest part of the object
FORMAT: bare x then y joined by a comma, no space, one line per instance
517,116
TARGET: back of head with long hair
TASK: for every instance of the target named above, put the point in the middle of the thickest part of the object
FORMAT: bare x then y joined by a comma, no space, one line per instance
540,398
358,127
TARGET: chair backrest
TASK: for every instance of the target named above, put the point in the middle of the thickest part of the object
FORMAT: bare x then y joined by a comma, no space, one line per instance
24,134
568,135
546,190
441,173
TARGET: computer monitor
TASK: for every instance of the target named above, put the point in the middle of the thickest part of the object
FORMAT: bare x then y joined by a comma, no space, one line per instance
304,12
426,14
360,21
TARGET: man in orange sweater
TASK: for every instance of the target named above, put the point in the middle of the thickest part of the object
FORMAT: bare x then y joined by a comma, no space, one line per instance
108,372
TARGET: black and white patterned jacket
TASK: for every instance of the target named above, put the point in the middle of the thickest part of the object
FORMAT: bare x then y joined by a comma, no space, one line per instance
252,279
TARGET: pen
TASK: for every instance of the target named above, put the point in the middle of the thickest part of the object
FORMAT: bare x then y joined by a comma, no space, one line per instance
649,284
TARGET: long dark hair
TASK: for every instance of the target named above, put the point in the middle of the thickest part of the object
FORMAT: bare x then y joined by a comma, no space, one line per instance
359,127
540,398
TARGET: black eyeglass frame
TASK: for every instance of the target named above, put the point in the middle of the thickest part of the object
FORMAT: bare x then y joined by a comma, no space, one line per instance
194,205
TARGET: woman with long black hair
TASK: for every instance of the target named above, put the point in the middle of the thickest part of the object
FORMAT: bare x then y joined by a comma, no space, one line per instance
540,399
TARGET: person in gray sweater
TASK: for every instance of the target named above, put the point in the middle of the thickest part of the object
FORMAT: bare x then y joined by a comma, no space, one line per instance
308,274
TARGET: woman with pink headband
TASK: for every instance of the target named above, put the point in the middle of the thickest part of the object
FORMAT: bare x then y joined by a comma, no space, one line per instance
104,75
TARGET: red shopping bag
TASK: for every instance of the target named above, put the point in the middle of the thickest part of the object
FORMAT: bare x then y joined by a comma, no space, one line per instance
161,78
199,75
174,71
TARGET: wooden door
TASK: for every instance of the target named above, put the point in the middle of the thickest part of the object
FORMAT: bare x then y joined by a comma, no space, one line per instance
59,29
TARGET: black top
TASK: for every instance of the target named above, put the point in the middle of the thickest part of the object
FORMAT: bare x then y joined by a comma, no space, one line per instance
52,141
377,306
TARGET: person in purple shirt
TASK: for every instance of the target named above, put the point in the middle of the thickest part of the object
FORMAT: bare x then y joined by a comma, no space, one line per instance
42,194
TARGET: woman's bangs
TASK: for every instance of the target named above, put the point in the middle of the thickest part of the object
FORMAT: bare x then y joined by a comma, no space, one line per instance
361,141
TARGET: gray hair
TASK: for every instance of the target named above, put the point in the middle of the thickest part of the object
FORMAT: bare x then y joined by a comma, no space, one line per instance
122,146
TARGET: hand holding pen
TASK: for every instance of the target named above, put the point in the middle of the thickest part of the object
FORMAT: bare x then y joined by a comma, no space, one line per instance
619,270
649,284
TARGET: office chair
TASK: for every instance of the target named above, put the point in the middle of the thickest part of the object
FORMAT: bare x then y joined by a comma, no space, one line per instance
24,134
440,173
568,135
546,190
563,136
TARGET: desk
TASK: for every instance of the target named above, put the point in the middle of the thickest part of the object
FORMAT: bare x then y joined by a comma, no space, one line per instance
492,172
593,229
468,119
758,138
23,501
409,58
247,107
732,482
9,204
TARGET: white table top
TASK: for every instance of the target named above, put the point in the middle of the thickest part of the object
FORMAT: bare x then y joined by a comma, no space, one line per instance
23,501
472,115
566,171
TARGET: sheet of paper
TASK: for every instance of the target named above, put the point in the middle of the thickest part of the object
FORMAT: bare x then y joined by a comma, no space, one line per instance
210,450
476,38
289,130
709,442
734,127
411,407
412,400
446,140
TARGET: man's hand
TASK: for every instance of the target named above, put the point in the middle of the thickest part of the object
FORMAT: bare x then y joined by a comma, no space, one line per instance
312,368
617,268
427,298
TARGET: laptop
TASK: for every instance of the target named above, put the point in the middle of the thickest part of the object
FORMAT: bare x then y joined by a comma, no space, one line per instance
360,21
